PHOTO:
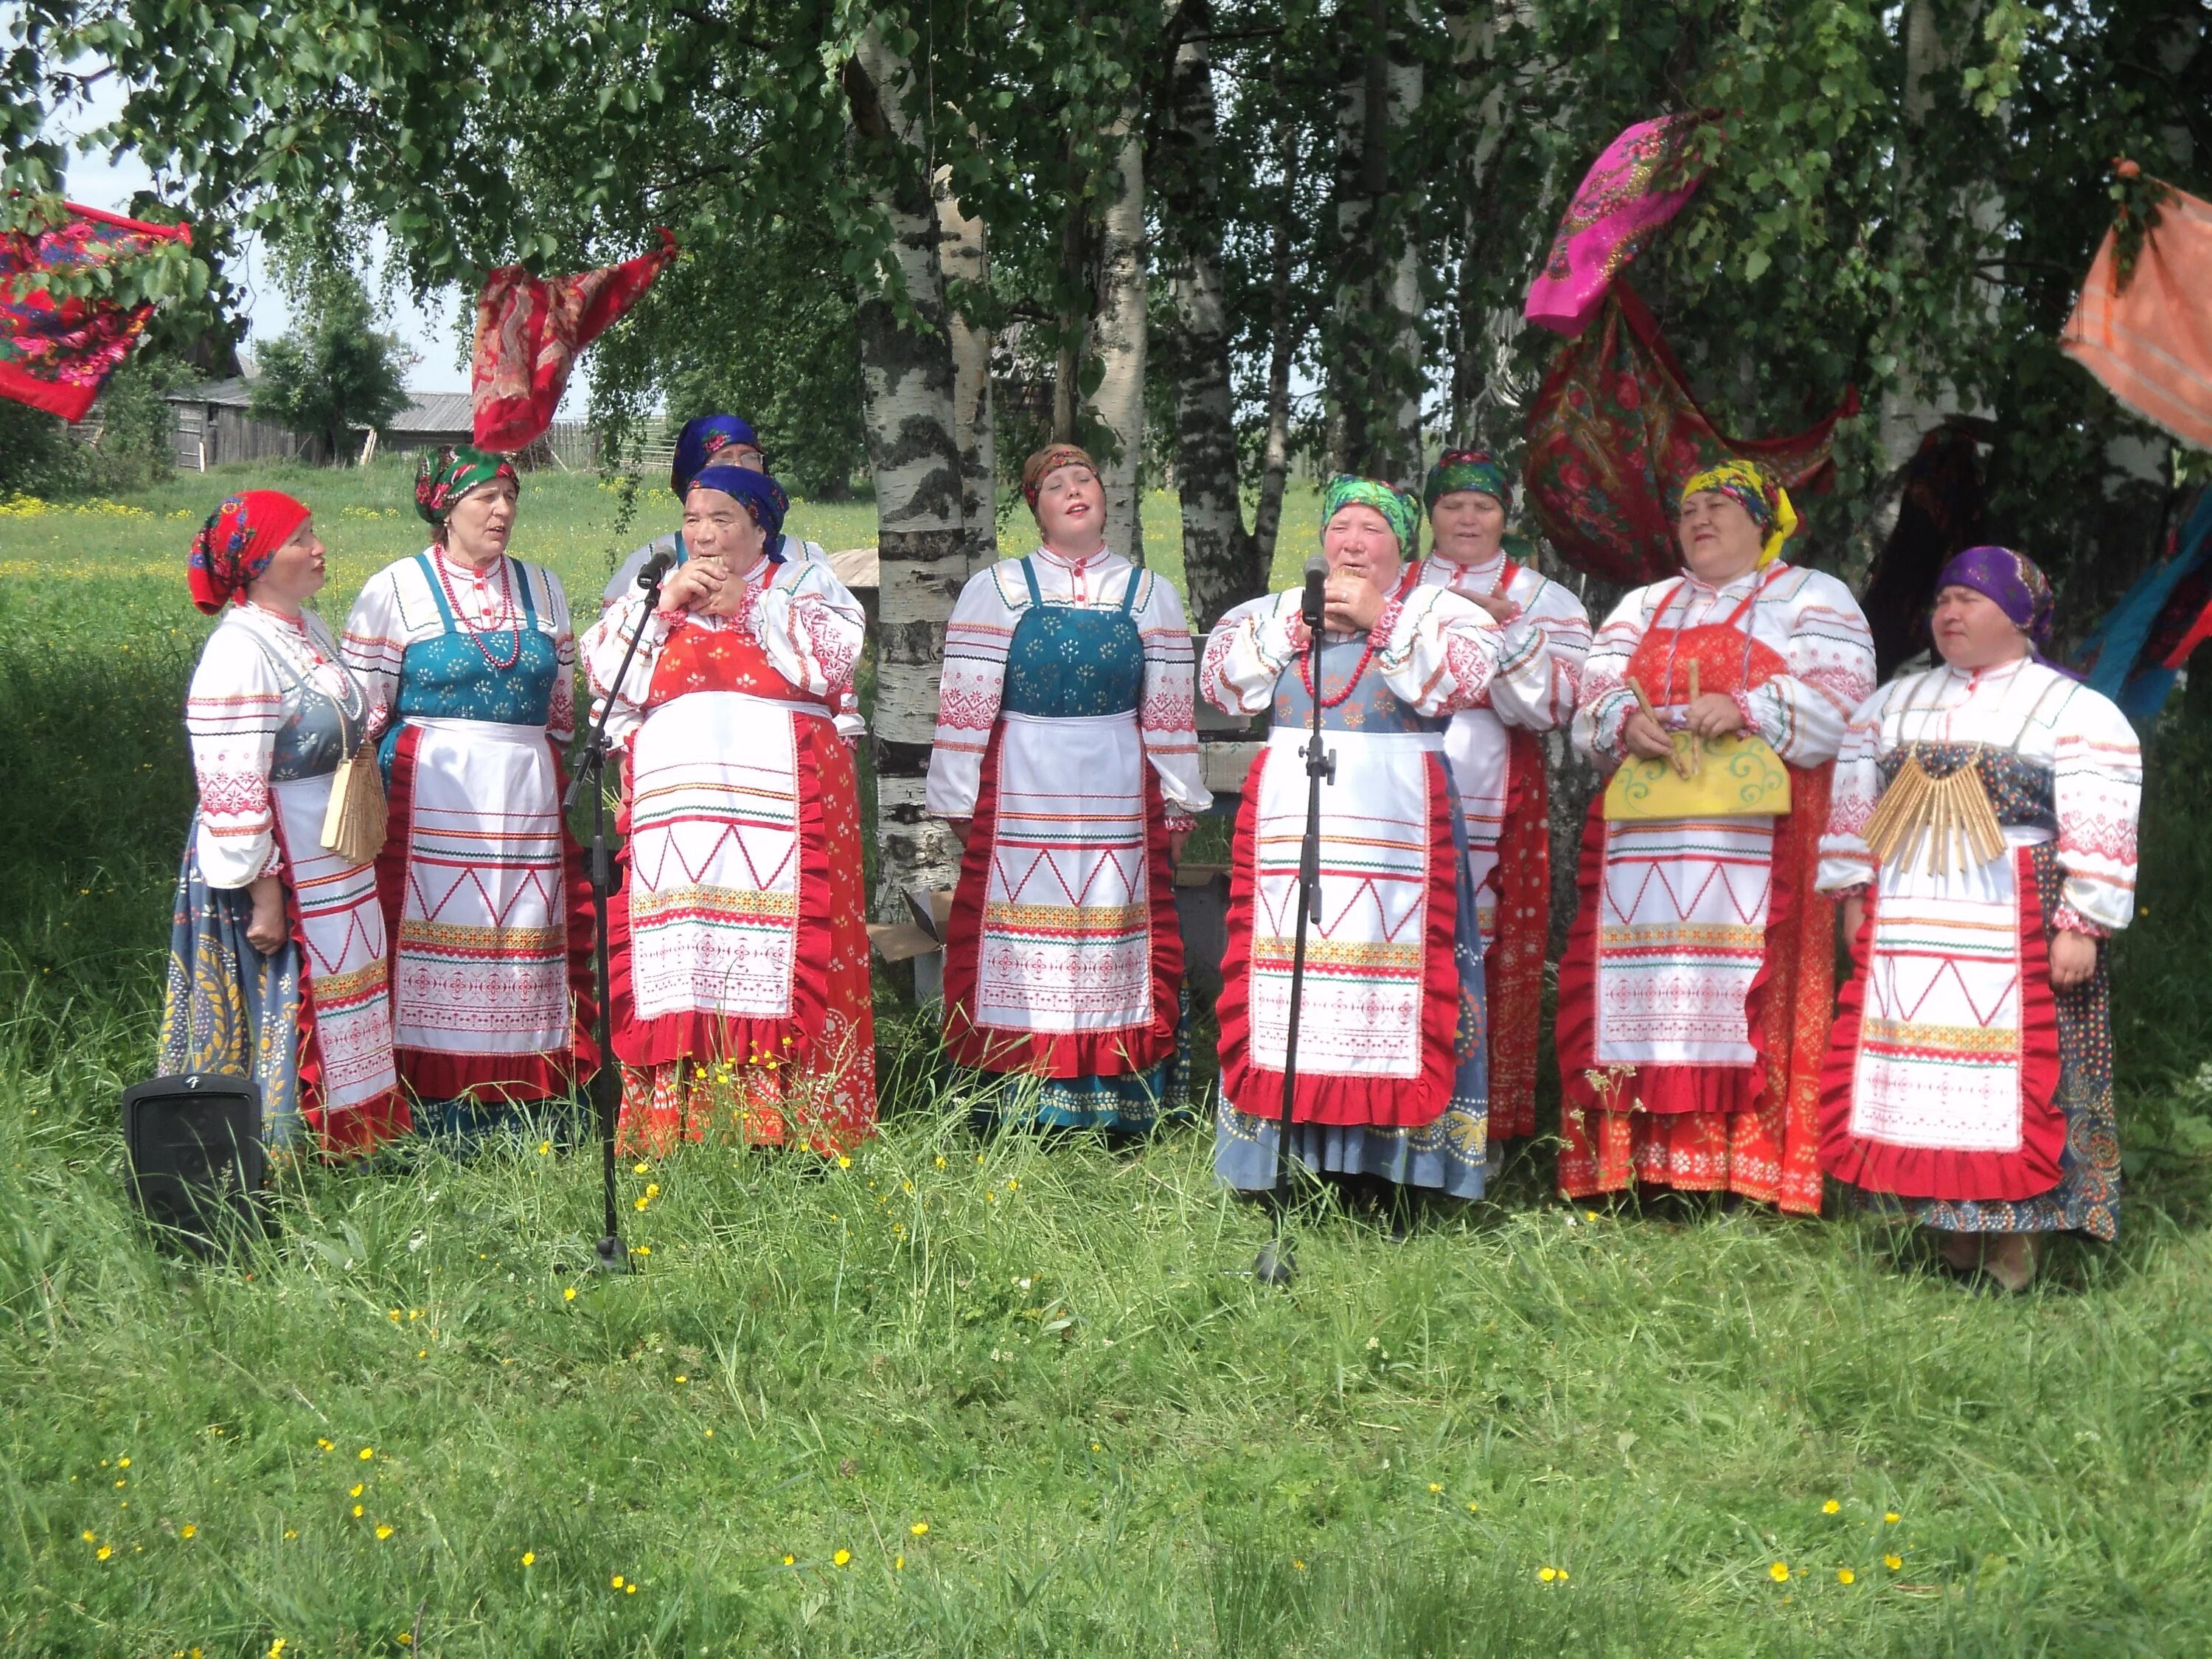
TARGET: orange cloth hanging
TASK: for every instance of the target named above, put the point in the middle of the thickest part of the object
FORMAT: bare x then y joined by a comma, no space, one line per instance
2150,340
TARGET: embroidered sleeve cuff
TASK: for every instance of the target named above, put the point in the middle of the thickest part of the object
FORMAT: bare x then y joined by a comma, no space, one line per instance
2067,920
1745,707
1178,822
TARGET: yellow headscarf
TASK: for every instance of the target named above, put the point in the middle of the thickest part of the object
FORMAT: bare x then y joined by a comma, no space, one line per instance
1759,493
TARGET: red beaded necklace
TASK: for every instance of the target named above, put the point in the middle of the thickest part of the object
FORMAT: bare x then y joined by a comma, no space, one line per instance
1307,673
477,635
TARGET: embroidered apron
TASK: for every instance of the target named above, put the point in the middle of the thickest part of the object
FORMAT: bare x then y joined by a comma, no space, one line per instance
481,962
1683,902
1067,941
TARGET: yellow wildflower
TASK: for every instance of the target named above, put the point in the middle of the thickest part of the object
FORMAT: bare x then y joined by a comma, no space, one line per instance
383,1532
841,1557
616,1582
1890,1517
1830,1507
1779,1572
188,1530
920,1528
368,1452
530,1558
1845,1576
355,1493
1892,1562
104,1552
568,1295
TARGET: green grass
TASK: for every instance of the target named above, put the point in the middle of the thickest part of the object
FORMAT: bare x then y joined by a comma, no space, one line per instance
1047,1354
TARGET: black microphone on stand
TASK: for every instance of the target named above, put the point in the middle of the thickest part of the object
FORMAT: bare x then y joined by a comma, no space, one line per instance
591,769
1275,1265
656,568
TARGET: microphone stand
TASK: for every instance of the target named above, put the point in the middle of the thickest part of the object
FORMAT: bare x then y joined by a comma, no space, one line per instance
606,1082
1275,1265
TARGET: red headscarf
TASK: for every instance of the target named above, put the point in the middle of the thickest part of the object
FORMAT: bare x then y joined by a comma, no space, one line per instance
236,544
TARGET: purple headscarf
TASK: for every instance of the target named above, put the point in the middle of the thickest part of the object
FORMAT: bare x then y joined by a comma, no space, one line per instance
2015,584
2010,579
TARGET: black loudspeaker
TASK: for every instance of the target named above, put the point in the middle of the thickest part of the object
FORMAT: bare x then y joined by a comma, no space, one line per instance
196,1161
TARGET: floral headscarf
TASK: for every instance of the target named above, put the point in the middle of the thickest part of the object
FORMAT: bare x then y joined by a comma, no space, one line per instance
1399,509
701,440
1467,469
1049,459
2012,580
443,479
1759,493
236,544
762,496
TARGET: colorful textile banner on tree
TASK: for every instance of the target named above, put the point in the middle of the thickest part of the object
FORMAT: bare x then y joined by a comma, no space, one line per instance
529,330
1629,194
1614,433
56,352
2149,338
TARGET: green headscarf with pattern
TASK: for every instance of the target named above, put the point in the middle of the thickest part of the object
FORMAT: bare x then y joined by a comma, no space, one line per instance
1399,510
444,478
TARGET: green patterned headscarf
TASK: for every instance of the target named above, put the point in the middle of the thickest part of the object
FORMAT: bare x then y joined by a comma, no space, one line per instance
1399,510
445,478
1467,469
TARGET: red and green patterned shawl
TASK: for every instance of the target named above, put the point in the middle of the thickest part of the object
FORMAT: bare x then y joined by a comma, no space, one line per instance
1614,433
55,353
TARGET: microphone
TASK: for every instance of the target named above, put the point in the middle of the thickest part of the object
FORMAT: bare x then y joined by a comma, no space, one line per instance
1316,578
656,568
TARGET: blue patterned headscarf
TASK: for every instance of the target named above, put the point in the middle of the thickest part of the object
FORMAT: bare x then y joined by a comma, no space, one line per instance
701,440
762,497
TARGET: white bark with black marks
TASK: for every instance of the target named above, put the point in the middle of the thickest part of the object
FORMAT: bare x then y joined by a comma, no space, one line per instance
907,387
1221,560
1119,333
964,258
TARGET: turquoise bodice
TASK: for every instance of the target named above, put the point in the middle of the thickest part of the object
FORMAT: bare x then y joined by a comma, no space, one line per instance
1065,662
449,678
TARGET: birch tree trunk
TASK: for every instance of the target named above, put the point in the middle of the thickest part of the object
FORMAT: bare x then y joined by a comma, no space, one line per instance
1220,560
1375,415
907,387
964,258
1282,348
1119,328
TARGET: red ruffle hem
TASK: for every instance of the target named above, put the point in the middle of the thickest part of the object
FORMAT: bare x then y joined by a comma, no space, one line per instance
1113,1051
1935,1172
1753,1130
491,1078
1387,1102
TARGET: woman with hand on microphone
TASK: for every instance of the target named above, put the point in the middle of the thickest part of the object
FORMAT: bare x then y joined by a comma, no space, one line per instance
738,942
1392,1080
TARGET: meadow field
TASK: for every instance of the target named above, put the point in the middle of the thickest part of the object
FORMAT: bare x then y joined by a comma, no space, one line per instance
963,1396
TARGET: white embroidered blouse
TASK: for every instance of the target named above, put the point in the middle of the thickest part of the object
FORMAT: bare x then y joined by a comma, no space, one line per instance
2039,714
1439,652
231,714
399,609
805,621
980,633
1539,665
1807,618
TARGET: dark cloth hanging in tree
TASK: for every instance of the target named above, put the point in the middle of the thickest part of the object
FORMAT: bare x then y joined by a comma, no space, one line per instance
1942,513
1614,433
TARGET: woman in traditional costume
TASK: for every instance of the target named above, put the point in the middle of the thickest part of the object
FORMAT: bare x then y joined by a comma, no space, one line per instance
1497,757
1391,1057
276,959
1696,989
1067,763
1982,836
715,439
738,941
470,654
